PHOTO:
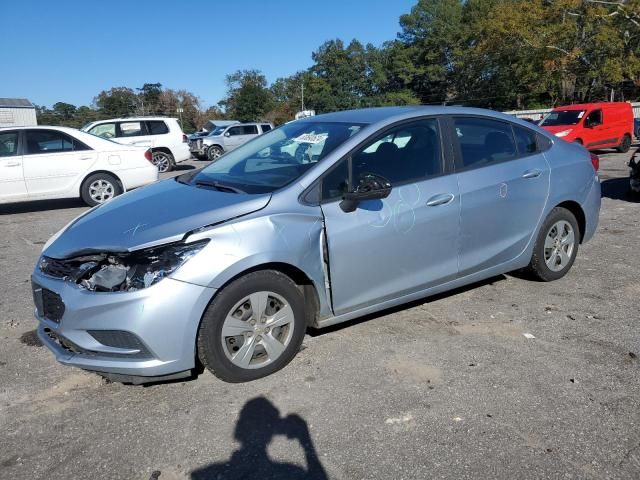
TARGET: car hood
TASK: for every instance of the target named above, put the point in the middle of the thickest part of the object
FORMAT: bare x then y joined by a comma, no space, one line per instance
159,213
559,128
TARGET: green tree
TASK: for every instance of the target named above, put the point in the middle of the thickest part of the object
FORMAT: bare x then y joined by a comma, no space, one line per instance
248,98
116,102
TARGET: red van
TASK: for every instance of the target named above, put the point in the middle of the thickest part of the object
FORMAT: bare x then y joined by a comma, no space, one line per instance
594,125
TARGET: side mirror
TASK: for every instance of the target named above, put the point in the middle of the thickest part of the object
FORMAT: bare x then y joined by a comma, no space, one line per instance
369,187
227,134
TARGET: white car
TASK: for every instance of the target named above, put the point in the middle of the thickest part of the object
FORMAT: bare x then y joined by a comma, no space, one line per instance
164,136
38,163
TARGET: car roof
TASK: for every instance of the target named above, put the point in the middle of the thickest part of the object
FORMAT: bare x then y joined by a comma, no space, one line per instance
133,119
41,127
586,106
389,114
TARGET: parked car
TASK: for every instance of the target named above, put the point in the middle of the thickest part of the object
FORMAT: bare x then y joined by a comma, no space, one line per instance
226,138
594,125
38,163
169,145
399,204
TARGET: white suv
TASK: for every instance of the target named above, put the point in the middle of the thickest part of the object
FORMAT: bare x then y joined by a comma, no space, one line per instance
163,135
225,138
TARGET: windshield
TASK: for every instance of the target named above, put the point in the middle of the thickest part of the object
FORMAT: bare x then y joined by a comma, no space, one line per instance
217,131
276,158
562,117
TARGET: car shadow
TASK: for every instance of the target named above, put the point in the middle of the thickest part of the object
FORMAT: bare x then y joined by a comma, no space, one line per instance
618,189
259,422
41,206
315,332
183,168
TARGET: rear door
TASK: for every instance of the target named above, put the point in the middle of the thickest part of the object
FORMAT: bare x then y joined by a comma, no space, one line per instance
504,184
54,162
403,243
134,133
12,184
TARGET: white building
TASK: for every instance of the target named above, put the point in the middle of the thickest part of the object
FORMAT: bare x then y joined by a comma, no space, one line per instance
17,112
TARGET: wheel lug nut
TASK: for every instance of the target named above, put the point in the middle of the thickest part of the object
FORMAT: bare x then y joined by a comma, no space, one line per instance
253,322
266,330
258,338
249,334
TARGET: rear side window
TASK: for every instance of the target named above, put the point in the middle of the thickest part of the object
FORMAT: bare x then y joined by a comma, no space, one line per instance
8,144
132,129
157,127
484,141
51,141
249,130
525,140
266,128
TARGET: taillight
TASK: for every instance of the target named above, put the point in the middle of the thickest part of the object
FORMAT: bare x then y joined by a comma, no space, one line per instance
148,155
184,138
595,161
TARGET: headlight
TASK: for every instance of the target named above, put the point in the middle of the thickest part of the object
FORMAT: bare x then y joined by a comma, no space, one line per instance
563,133
123,272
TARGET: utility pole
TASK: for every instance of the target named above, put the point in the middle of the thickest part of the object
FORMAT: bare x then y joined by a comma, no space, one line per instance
180,110
302,88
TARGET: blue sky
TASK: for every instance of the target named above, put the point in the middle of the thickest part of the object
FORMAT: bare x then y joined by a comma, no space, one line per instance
71,50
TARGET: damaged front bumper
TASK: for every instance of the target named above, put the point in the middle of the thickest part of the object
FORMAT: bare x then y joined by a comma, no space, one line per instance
149,332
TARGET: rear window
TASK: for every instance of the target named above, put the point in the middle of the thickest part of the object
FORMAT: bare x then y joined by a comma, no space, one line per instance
51,141
8,144
525,140
266,128
132,129
157,127
484,141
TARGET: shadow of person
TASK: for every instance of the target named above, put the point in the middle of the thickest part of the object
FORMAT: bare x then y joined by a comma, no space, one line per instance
258,424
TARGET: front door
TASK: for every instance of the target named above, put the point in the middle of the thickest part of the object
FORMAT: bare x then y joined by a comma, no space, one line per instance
504,184
54,162
401,244
12,185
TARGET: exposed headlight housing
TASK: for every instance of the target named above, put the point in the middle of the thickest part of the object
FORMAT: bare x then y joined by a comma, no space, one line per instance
563,133
123,272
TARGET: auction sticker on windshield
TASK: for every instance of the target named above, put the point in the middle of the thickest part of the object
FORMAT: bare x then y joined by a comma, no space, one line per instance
311,138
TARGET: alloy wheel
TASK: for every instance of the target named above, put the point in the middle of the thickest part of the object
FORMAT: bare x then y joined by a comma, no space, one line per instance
101,190
161,161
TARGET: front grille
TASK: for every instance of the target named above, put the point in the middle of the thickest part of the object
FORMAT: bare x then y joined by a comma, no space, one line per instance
49,304
56,268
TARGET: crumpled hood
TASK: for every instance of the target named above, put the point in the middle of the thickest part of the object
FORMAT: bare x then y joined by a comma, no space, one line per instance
156,214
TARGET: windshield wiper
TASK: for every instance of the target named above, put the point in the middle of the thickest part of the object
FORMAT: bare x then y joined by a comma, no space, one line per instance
218,186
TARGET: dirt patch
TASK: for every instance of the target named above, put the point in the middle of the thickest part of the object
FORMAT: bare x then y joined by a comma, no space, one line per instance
413,370
495,329
31,339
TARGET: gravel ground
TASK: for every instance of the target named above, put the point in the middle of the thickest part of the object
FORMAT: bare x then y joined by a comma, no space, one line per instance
444,388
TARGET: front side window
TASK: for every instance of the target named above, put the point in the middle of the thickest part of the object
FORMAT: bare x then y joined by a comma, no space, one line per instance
234,131
8,144
157,127
409,153
104,130
276,158
594,118
51,141
484,141
131,129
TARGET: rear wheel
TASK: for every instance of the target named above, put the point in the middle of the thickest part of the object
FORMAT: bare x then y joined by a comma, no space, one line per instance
556,247
99,188
163,161
253,327
625,145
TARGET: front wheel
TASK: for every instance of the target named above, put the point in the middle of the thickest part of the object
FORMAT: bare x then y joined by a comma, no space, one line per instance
214,152
253,327
625,145
556,247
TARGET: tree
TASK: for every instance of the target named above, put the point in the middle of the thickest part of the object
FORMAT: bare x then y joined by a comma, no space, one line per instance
149,98
116,102
248,98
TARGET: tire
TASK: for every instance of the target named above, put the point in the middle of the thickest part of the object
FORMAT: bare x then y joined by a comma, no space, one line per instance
625,145
244,356
99,188
547,262
214,152
163,160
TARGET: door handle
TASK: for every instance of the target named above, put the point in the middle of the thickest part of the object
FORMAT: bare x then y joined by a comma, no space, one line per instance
441,199
13,164
532,173
86,158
